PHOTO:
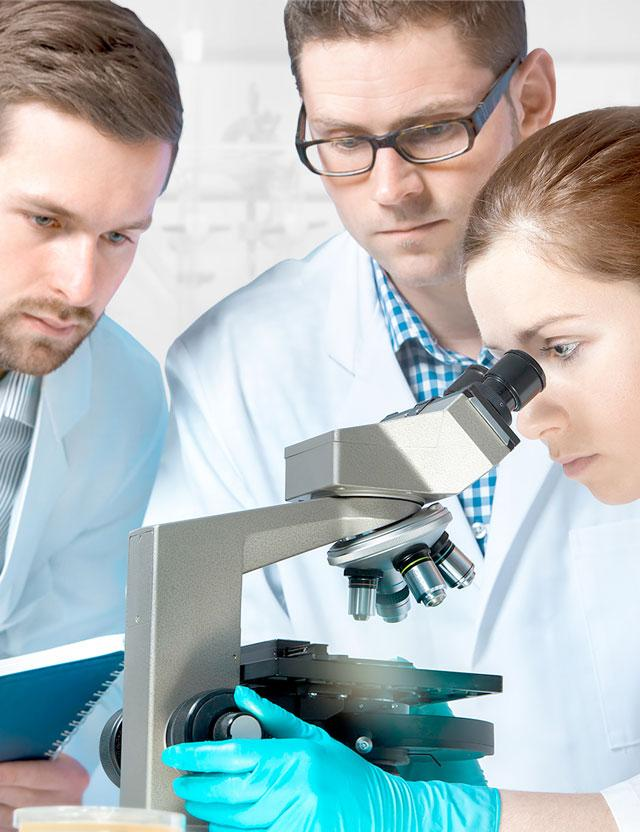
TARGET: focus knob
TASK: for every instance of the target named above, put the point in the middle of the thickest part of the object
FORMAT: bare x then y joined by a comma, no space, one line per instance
236,725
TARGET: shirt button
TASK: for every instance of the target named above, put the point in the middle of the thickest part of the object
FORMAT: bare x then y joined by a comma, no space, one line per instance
479,530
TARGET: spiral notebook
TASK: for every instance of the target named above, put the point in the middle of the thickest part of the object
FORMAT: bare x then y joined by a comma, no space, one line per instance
46,696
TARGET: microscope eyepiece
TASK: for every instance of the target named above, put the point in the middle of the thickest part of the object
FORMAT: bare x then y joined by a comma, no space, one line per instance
509,385
516,378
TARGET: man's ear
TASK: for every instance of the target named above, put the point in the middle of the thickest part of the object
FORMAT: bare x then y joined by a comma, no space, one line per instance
533,92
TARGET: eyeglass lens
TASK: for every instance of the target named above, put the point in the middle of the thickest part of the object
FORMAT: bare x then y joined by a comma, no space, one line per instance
420,144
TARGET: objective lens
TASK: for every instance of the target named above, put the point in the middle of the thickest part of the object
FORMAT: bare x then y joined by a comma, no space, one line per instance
392,599
456,568
362,592
422,576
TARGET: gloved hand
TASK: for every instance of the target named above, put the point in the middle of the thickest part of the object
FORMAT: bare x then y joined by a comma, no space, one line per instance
450,771
305,781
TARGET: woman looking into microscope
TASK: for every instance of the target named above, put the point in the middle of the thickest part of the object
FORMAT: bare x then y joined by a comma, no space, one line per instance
553,268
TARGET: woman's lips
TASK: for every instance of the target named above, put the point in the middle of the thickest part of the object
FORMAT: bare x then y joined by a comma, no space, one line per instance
574,466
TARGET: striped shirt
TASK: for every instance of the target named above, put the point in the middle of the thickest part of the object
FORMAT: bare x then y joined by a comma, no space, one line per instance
429,369
19,396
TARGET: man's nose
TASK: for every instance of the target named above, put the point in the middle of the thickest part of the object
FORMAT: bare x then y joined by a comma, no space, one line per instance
75,281
543,416
394,179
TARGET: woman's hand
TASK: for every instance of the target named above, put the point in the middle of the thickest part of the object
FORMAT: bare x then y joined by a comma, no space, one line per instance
304,780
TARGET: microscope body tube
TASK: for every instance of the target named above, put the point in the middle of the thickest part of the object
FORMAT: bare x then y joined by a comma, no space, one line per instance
183,614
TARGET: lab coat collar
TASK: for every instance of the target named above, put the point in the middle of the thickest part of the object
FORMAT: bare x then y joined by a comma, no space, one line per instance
353,303
66,393
358,340
64,399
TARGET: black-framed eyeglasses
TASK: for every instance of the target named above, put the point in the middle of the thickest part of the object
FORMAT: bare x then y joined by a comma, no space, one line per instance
422,144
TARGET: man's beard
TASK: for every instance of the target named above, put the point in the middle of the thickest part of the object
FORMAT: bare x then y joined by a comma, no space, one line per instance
38,354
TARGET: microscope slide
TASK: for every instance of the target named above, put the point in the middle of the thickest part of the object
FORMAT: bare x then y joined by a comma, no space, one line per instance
45,696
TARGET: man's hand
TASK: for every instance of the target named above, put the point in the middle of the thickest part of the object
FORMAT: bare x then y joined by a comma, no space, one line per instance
40,783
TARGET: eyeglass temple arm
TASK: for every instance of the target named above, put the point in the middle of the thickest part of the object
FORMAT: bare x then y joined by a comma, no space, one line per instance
494,95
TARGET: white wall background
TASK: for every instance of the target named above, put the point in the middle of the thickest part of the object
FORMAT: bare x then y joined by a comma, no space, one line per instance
239,200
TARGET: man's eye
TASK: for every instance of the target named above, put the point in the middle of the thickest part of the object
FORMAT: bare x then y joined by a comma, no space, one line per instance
116,237
349,143
42,221
434,131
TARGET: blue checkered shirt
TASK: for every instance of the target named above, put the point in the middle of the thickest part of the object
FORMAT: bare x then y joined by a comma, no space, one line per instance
429,370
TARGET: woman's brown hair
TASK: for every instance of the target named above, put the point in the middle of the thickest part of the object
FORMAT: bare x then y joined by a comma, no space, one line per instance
572,191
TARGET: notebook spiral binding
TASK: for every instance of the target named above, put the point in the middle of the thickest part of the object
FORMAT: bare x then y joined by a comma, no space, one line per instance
83,713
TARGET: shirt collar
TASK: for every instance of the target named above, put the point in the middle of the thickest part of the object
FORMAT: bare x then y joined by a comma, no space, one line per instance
19,397
404,324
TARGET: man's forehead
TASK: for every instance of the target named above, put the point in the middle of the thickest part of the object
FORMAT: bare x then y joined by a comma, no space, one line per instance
428,48
398,77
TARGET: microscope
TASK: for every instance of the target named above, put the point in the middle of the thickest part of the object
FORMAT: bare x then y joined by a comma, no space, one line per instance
368,493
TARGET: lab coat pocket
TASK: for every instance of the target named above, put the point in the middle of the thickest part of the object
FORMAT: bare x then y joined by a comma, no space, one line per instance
607,561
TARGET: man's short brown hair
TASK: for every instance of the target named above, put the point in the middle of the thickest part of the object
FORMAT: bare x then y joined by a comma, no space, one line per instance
493,31
92,59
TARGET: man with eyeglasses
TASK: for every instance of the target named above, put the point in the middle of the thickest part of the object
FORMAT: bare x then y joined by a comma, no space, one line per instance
407,108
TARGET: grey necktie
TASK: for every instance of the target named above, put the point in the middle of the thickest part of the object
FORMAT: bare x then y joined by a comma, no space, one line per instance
15,439
19,395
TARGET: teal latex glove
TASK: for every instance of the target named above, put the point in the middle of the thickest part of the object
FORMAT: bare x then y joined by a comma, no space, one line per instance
305,781
451,771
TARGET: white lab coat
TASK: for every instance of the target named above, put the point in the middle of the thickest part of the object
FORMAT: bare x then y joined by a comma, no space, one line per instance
554,607
93,457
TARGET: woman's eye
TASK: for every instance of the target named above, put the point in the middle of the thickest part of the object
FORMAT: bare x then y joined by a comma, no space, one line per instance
562,351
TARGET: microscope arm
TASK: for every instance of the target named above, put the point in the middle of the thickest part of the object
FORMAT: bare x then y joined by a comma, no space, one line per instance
183,612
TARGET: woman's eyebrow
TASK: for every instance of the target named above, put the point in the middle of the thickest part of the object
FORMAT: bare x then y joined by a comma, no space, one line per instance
528,334
531,331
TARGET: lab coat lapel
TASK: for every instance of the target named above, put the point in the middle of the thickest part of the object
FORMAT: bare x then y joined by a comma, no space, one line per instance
525,479
358,340
64,398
